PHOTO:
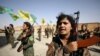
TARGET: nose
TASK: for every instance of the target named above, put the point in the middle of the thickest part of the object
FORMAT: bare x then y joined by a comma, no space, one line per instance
62,25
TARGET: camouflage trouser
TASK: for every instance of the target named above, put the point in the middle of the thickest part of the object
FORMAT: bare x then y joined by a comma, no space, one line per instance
28,52
11,40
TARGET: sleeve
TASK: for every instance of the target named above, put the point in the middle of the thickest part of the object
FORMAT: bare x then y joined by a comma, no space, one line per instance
50,51
30,42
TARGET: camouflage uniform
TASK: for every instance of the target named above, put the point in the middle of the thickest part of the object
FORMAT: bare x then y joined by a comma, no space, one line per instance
7,33
11,36
27,43
57,49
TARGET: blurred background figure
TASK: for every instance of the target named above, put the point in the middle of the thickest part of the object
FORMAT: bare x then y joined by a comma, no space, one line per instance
47,31
84,32
96,32
39,33
26,38
7,33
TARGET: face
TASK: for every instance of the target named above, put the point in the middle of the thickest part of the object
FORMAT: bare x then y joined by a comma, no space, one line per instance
25,27
84,27
64,27
10,26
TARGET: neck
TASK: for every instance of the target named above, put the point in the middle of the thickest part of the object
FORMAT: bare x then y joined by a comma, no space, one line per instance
65,37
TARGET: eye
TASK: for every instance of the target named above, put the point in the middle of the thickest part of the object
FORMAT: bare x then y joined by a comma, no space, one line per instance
65,23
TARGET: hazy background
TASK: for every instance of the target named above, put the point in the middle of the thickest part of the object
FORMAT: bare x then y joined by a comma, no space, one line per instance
49,9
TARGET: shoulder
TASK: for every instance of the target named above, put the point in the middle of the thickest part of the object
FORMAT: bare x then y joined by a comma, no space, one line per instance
73,38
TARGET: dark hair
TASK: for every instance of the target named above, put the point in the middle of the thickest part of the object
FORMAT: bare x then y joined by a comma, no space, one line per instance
11,25
28,25
84,25
69,18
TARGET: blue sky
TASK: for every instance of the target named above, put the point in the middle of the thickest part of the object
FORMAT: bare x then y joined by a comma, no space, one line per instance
49,9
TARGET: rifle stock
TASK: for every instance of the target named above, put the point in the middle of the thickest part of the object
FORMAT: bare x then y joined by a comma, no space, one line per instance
88,42
20,48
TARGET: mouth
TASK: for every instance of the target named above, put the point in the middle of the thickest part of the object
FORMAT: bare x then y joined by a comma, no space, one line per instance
62,30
